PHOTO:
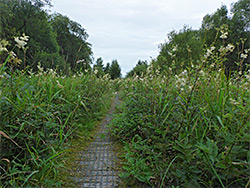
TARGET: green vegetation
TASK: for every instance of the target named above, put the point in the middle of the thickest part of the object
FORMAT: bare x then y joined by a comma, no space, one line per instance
184,122
54,40
140,69
188,130
184,117
49,94
114,71
39,113
185,48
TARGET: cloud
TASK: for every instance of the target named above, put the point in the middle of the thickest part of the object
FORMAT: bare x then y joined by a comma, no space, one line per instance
129,30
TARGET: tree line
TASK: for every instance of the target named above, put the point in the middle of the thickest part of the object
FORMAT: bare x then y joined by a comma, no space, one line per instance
187,47
55,41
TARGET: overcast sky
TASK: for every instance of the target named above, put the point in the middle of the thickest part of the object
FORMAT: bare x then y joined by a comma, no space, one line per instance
129,30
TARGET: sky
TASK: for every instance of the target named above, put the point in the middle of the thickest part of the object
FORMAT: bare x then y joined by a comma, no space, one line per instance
131,30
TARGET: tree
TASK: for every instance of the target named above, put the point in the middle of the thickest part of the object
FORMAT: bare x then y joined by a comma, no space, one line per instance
140,69
71,38
28,16
54,40
99,67
237,27
107,69
242,8
181,51
115,70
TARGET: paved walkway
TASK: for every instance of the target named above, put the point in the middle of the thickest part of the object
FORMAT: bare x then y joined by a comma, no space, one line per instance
97,165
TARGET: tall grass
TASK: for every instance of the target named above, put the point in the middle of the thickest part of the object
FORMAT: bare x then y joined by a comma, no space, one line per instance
38,114
195,124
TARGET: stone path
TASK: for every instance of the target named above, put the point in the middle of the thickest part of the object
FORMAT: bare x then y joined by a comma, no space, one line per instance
97,165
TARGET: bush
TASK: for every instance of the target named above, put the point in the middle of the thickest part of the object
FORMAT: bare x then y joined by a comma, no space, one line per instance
38,114
188,130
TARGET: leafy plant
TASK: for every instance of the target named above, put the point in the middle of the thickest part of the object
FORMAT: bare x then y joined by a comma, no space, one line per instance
189,129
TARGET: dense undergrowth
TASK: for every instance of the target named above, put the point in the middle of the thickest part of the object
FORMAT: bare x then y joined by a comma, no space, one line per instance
186,130
39,113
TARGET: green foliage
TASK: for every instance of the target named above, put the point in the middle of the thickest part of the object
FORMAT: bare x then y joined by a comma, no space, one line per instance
186,47
107,69
183,50
140,69
28,17
55,41
189,129
99,67
38,115
115,70
71,38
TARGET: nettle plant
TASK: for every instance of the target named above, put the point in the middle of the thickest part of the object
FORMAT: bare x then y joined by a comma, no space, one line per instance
190,129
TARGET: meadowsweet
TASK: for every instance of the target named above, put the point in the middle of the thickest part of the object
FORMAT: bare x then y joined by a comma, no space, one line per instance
209,52
243,56
230,47
13,58
247,50
24,37
40,68
52,72
96,71
3,44
106,77
21,41
224,35
31,73
3,49
12,54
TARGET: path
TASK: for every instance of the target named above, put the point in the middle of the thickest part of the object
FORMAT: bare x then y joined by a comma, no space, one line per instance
97,164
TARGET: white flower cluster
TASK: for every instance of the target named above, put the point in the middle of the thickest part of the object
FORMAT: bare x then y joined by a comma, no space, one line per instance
224,32
229,48
21,41
245,53
40,69
181,80
209,52
3,44
52,72
224,35
106,77
96,71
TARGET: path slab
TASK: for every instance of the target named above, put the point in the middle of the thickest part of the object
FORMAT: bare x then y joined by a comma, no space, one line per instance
97,166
